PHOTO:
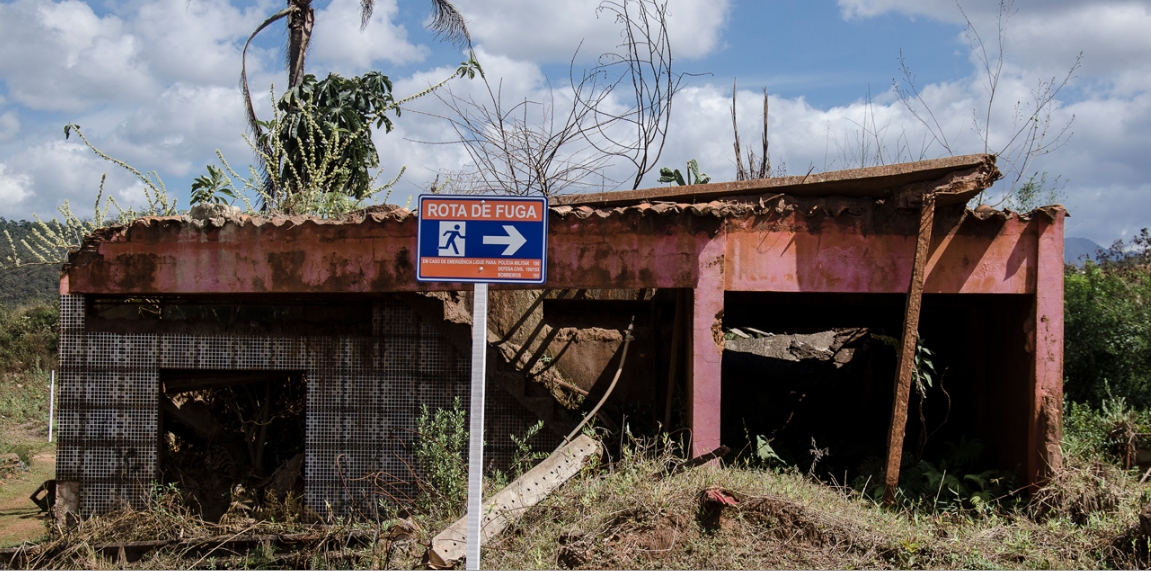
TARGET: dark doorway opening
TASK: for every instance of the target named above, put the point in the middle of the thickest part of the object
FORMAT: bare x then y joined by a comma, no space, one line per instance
828,404
230,436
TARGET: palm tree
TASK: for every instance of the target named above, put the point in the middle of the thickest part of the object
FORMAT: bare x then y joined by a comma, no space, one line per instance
447,23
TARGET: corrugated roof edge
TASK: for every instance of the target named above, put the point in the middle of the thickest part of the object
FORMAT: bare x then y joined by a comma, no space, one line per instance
870,182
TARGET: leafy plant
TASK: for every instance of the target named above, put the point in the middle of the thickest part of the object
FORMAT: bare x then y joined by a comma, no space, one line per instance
329,119
523,459
762,455
1107,331
212,188
924,364
693,175
440,449
1037,192
954,480
924,361
49,242
28,337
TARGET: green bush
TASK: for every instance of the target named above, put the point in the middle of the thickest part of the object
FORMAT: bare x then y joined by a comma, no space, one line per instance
441,449
1103,432
1107,333
29,337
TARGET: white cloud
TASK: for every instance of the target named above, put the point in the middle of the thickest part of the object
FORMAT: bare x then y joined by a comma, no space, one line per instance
1115,44
9,127
153,83
62,57
338,42
49,173
13,187
551,31
178,132
198,40
1048,34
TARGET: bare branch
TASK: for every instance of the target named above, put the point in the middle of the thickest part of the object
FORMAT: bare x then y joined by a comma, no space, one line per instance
1032,131
757,166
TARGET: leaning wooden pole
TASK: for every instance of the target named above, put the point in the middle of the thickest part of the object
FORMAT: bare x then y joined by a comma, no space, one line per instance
907,349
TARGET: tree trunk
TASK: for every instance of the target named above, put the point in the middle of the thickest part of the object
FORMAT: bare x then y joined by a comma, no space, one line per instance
300,24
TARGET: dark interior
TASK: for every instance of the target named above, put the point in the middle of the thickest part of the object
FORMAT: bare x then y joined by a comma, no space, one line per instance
978,400
229,434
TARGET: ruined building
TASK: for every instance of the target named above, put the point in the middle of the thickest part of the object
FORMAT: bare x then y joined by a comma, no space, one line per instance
169,315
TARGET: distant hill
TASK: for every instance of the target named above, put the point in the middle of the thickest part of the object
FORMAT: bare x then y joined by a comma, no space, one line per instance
1075,250
21,285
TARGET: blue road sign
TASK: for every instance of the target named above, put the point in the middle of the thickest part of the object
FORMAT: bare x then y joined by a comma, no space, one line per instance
482,239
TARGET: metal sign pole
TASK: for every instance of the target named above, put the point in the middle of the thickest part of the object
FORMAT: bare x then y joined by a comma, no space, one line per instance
476,443
481,240
51,404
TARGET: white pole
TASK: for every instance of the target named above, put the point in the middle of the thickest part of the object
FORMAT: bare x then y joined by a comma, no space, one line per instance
476,443
51,404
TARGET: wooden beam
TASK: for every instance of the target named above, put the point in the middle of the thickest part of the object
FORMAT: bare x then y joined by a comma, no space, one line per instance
907,349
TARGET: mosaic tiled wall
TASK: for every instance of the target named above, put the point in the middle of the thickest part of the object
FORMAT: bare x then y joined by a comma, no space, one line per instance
364,395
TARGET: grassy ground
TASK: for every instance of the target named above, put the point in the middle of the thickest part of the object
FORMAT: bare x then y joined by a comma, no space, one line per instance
626,518
27,445
20,520
625,515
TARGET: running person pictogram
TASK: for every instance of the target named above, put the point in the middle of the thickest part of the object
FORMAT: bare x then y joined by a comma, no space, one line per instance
452,235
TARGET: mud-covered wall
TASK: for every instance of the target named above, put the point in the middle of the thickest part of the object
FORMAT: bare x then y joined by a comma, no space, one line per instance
365,390
774,243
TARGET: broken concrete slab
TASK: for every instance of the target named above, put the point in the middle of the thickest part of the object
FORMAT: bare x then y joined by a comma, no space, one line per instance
822,346
510,503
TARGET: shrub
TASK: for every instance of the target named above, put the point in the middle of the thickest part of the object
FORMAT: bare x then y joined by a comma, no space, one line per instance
441,449
28,337
1107,332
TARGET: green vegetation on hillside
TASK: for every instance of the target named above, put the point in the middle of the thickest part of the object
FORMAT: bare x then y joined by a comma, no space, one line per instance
28,349
28,283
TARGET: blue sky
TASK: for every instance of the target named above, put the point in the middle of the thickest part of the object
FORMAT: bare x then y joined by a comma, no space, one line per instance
153,82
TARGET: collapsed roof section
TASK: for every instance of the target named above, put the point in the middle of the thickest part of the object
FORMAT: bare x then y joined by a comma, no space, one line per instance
955,180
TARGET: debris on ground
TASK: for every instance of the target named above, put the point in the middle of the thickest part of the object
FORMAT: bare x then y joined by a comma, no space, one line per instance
509,504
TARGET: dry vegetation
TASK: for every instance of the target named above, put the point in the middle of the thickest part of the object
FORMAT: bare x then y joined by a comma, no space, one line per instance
624,513
627,514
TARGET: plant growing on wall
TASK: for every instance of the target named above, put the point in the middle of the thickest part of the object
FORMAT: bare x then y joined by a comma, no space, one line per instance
693,175
440,447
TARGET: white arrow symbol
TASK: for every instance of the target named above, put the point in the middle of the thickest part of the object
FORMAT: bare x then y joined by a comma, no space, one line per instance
513,240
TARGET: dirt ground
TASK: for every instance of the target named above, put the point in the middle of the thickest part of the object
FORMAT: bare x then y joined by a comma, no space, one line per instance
20,519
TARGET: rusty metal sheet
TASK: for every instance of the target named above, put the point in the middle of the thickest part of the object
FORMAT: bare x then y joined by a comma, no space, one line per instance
872,182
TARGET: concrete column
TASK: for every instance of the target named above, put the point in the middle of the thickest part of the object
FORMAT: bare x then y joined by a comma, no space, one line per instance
706,347
1045,342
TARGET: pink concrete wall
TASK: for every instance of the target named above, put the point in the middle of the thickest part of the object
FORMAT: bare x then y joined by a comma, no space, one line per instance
761,253
975,256
870,252
1045,332
706,371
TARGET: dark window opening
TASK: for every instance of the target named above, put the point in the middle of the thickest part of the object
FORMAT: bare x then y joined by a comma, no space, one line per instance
231,436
